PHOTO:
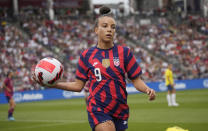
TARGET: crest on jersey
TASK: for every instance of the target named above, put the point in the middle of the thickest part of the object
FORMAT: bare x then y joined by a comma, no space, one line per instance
106,63
116,61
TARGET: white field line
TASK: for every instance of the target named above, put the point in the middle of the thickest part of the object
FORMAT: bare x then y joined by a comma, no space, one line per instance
37,126
54,121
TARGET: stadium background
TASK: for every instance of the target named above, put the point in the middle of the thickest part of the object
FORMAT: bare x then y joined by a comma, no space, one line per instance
158,32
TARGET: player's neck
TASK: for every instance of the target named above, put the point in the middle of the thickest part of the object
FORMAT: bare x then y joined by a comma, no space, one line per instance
107,45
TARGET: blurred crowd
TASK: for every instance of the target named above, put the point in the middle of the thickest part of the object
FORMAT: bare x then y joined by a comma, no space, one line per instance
65,37
177,42
19,55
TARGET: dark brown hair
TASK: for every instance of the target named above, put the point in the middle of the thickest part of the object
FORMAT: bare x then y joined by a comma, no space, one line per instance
8,73
104,11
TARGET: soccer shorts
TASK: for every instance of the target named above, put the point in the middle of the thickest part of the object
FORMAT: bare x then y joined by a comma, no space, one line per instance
96,118
170,87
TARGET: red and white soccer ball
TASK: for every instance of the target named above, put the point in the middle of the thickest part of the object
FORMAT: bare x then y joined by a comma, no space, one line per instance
48,71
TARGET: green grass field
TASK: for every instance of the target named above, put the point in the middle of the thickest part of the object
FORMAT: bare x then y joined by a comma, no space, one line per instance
70,115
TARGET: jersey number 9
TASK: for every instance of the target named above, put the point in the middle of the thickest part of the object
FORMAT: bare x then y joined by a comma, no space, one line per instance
98,74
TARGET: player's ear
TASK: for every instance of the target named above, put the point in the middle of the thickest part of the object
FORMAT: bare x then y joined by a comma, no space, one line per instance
96,30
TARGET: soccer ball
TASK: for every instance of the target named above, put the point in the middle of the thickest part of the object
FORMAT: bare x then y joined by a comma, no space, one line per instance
48,71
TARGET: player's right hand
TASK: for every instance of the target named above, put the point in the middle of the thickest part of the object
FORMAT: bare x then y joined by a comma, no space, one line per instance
36,80
34,76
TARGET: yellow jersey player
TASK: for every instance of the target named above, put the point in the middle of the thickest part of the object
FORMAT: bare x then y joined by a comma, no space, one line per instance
169,82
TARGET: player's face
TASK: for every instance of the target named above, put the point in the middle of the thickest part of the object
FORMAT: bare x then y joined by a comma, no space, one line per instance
106,29
170,67
10,75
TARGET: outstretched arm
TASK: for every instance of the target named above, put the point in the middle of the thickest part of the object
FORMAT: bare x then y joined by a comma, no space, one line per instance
75,86
141,86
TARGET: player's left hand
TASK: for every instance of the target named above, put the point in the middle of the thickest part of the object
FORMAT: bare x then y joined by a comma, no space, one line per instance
151,94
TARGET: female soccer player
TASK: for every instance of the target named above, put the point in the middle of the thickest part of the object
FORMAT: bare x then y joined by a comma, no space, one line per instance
105,66
169,82
8,91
